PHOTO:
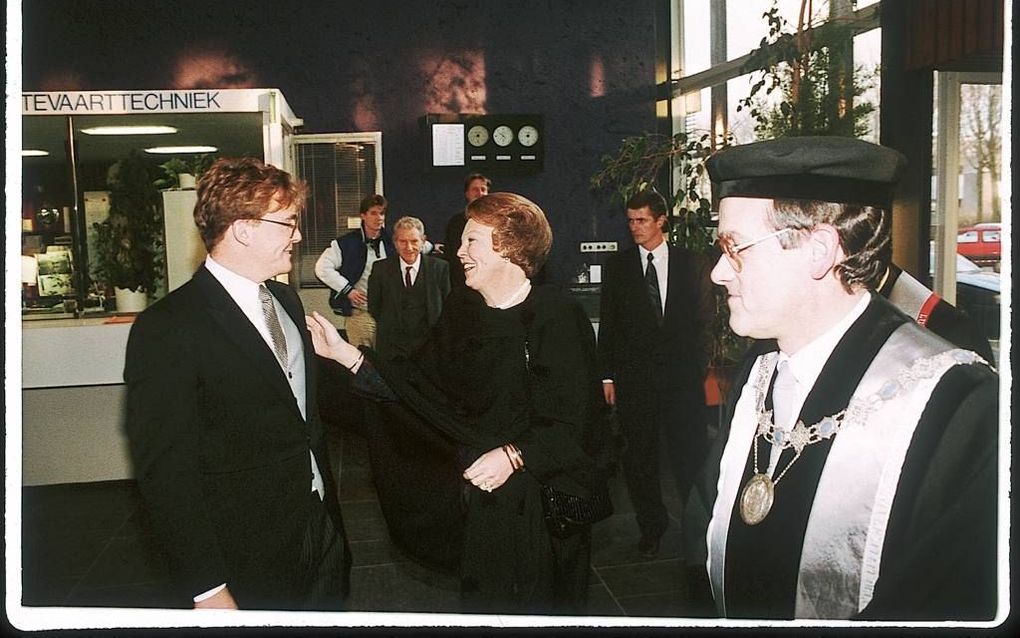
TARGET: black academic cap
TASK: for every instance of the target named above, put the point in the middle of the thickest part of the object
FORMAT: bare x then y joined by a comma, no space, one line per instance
827,169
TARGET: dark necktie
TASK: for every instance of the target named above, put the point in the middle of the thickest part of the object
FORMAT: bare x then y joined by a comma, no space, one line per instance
652,281
407,276
374,243
273,323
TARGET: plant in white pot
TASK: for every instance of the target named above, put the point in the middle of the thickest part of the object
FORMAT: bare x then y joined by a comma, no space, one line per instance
129,242
183,173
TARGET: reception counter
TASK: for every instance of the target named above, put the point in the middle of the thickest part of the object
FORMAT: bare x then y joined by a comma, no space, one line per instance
73,400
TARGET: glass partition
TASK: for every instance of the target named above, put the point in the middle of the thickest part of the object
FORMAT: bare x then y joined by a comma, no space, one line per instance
93,201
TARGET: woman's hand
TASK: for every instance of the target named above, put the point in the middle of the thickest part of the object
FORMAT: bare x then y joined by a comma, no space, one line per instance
328,343
490,470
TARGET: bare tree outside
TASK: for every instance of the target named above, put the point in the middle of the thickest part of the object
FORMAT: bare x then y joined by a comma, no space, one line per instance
981,146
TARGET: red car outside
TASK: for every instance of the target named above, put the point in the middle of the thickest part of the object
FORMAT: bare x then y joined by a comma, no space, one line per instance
981,243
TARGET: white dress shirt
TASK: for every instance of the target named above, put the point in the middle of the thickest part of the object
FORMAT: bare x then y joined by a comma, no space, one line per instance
415,267
807,364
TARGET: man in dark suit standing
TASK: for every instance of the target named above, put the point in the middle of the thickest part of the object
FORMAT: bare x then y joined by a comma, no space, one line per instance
655,307
224,432
475,185
406,291
406,295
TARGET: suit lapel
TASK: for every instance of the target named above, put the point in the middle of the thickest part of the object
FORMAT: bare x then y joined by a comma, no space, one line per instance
239,330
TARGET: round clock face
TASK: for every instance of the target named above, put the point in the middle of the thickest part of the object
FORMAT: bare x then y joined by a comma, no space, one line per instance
503,135
528,135
478,135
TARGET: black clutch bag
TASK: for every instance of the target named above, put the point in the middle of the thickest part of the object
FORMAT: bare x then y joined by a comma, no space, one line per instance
566,514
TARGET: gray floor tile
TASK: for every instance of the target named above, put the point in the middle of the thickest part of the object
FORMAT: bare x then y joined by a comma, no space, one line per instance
401,587
644,578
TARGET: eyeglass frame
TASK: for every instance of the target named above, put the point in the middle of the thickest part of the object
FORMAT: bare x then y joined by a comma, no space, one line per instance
293,226
732,251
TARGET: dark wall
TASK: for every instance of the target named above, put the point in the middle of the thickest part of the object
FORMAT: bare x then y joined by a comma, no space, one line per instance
382,64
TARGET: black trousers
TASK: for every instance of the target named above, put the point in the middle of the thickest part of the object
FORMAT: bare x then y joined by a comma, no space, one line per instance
677,417
322,561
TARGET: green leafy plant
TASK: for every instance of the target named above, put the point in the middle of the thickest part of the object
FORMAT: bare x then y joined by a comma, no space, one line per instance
173,168
641,162
804,84
129,242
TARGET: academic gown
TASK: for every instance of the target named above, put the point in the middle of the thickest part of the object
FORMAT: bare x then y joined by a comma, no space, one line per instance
938,559
486,377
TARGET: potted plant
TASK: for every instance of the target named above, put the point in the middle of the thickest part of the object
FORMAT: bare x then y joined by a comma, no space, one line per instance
129,242
183,173
643,161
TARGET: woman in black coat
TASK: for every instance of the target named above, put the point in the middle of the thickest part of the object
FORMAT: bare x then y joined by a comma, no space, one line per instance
514,383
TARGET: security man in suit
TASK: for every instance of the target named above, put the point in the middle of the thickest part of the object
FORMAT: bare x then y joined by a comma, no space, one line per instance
655,308
222,421
346,265
406,291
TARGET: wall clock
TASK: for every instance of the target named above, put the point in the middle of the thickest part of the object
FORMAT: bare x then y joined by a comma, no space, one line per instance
478,135
503,135
528,135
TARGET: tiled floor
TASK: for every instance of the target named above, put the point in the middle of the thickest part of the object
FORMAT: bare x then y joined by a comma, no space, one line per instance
90,545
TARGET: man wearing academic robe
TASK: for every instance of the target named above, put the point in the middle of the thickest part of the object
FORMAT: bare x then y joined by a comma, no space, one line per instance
855,471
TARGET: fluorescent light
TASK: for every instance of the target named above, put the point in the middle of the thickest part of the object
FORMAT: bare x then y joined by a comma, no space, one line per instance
171,150
129,130
33,152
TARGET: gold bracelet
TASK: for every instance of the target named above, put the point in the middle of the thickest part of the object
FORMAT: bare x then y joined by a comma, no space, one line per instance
514,456
361,357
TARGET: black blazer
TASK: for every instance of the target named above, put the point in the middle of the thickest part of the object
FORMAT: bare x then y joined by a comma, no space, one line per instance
630,338
385,287
220,449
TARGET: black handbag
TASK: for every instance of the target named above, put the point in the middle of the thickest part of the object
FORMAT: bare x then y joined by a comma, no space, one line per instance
566,514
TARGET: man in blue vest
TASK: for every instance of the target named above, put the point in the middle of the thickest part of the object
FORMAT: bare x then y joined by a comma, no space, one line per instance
346,265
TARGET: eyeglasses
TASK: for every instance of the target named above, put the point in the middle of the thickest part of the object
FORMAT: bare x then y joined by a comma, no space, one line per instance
732,250
292,225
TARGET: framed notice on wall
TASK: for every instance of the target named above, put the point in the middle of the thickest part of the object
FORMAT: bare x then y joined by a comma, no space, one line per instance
510,144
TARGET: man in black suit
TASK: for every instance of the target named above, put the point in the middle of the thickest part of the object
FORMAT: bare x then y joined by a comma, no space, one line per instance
224,432
406,291
406,294
475,185
655,307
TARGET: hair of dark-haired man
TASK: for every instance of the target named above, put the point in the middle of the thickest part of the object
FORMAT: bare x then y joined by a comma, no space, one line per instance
650,198
372,200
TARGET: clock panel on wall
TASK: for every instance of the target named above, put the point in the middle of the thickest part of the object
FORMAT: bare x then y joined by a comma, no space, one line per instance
508,144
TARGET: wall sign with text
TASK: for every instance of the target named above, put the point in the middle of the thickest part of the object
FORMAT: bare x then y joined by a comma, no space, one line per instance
491,143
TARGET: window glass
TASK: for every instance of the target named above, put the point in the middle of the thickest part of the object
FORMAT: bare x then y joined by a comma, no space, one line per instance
967,238
84,236
746,24
695,37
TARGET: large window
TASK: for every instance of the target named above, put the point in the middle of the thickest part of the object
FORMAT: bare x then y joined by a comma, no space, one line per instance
966,231
715,40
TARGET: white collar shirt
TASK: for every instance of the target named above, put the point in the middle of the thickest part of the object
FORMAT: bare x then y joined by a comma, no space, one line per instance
415,268
807,363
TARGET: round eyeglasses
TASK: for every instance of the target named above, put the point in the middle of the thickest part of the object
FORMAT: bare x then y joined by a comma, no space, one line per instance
292,225
732,249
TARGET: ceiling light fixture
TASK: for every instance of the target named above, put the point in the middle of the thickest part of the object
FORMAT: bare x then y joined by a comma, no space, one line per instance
171,150
33,152
129,130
